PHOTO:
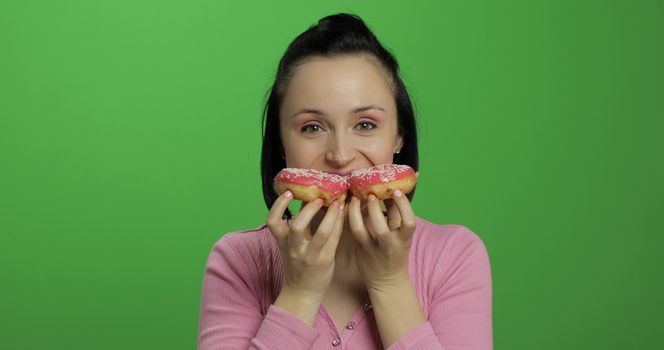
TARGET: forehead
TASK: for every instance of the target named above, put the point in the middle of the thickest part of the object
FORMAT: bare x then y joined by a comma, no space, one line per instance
338,84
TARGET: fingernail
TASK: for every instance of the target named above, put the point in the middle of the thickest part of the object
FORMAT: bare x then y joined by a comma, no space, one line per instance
319,200
354,198
372,197
341,207
288,194
398,193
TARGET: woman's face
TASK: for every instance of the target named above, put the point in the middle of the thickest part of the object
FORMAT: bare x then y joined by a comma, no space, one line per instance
338,115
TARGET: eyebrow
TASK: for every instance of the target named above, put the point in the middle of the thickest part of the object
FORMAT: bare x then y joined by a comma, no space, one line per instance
319,112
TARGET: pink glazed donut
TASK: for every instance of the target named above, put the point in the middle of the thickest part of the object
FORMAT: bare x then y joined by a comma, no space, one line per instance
309,184
382,180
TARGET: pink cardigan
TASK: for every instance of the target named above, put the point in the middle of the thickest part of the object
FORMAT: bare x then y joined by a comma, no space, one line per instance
448,265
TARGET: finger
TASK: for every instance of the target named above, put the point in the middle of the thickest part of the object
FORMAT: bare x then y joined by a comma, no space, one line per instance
377,223
299,226
393,215
326,226
408,219
356,222
330,247
275,221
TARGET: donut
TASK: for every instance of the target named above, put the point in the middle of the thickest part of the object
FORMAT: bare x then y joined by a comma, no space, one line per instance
382,180
309,184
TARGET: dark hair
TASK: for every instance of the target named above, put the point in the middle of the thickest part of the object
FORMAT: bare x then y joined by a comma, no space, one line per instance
334,35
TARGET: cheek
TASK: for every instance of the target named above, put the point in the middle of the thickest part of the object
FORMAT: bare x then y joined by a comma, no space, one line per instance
378,152
298,156
294,159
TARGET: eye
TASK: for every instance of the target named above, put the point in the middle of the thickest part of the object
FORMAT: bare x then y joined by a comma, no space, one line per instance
311,128
366,125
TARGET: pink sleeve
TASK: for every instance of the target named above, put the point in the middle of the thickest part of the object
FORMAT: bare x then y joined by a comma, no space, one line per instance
461,308
230,315
421,337
460,313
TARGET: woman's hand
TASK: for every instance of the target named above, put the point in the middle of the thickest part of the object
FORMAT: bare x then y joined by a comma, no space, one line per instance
383,244
381,251
308,259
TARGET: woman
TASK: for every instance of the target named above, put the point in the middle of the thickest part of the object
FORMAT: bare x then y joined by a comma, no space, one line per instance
357,275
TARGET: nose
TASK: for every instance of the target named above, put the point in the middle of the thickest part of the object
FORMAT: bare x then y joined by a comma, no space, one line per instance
341,151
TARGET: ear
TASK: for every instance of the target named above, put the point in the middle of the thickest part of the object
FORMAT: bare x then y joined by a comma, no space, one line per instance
399,144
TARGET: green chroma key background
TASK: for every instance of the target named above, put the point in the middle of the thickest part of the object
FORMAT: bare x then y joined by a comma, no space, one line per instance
130,143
